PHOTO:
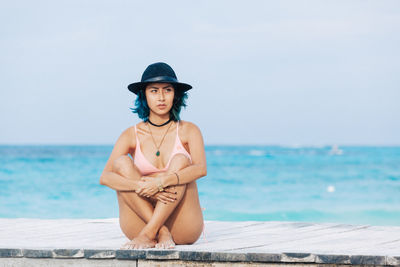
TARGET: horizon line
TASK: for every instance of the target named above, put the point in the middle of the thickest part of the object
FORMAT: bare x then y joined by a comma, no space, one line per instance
217,144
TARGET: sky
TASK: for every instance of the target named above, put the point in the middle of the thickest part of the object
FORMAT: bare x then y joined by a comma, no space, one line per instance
291,73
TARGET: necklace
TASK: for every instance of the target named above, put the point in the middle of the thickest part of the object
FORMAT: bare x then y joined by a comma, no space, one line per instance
159,125
154,141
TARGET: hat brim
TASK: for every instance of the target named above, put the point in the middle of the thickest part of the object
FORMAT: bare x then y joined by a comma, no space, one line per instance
136,87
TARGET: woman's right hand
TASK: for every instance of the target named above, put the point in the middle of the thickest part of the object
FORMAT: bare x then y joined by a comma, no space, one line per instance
167,196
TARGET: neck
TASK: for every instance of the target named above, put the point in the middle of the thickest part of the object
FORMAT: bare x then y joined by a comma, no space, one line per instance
158,119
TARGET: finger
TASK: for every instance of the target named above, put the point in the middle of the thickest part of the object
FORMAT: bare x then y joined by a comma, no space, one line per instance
166,198
174,188
170,190
139,191
162,200
169,195
169,199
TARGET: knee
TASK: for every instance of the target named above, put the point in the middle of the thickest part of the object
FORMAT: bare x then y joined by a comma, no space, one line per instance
179,161
188,239
121,163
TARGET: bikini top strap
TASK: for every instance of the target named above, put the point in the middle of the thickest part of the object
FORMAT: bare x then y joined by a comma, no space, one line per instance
177,129
136,135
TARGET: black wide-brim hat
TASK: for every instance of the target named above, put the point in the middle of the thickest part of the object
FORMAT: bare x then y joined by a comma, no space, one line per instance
158,73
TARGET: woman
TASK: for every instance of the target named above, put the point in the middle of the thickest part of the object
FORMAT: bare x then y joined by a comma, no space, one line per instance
157,192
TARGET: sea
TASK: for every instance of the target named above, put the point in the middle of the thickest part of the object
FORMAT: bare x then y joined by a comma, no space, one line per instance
346,184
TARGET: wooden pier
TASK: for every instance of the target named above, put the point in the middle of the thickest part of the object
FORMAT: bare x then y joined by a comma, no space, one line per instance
96,242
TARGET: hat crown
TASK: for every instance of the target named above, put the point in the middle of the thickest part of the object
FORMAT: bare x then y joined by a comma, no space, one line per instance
159,69
159,72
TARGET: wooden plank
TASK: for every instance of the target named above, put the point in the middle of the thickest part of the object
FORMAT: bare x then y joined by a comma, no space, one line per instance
243,237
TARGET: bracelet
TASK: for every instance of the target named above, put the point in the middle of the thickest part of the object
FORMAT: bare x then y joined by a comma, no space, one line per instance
160,187
177,176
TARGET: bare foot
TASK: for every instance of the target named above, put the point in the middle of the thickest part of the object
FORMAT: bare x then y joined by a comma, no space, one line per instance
165,240
139,242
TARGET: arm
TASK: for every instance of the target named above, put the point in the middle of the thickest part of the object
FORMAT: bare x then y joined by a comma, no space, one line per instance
112,179
198,168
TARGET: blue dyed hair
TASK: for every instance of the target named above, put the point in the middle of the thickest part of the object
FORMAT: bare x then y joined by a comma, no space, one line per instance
143,110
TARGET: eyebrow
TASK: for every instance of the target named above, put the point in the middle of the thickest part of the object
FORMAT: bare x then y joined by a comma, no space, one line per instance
155,87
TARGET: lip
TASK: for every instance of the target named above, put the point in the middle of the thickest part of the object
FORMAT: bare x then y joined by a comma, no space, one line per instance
162,106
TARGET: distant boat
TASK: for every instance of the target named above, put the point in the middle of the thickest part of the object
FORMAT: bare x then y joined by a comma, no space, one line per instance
335,150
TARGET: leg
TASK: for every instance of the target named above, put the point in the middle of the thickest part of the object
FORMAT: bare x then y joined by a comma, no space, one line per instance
162,211
134,210
178,214
187,212
139,205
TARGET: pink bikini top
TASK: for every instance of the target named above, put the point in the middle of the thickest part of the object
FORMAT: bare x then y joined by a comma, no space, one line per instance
145,167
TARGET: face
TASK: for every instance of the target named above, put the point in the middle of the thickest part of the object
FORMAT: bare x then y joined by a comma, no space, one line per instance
160,97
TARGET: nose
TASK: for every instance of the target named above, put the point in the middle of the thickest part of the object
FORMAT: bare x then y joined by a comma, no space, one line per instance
161,95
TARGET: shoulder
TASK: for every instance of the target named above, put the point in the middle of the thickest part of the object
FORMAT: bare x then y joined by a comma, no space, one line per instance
191,135
139,127
128,132
128,136
188,126
188,129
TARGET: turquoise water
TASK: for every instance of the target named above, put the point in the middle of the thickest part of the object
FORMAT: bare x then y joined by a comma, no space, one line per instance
360,186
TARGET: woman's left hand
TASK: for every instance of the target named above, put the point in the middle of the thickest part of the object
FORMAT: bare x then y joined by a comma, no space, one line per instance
148,186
